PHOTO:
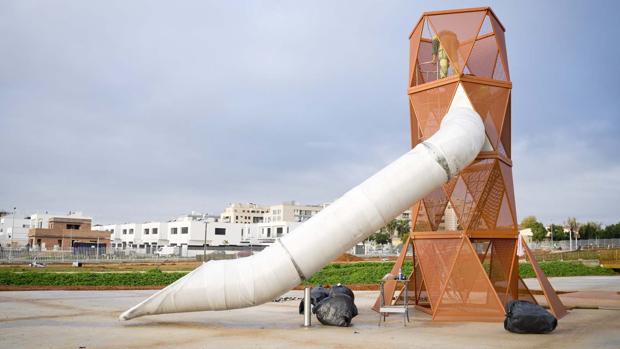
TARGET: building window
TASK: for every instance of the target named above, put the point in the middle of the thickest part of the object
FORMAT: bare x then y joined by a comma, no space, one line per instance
268,232
173,231
130,231
220,231
279,231
73,226
59,243
184,230
124,231
154,231
146,231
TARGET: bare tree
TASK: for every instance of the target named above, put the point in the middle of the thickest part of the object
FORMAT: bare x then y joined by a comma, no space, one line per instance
572,225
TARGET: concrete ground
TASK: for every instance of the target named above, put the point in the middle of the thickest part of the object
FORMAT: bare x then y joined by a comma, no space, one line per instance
579,283
88,319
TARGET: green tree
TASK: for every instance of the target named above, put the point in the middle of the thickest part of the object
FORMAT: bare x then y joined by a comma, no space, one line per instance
557,231
612,231
528,222
403,229
397,227
539,233
591,230
381,237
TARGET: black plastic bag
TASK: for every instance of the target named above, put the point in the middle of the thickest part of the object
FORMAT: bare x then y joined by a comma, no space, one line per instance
341,289
317,294
525,317
336,310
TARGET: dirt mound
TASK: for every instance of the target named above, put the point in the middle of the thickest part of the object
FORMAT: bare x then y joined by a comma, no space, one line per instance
347,257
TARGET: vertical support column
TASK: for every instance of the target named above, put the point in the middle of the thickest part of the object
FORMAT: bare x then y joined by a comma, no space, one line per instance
307,307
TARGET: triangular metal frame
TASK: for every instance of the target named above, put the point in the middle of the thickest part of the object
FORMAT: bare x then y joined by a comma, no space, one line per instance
469,291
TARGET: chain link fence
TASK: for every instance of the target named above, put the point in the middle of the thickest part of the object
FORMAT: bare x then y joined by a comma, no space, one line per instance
603,249
91,255
565,245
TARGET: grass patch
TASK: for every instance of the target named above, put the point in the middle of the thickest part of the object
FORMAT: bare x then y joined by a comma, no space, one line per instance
557,268
153,277
346,273
354,273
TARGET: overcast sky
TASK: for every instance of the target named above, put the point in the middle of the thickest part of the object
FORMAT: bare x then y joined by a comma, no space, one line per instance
144,110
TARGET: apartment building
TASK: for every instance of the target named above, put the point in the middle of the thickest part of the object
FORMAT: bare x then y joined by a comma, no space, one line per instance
292,211
244,213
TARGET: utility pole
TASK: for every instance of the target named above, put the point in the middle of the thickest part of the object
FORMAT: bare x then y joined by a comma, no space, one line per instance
551,239
204,245
11,237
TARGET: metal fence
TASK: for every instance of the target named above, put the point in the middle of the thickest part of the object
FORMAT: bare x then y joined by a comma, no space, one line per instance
565,245
603,249
23,255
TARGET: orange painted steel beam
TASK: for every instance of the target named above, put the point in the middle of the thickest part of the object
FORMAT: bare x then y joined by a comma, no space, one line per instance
482,195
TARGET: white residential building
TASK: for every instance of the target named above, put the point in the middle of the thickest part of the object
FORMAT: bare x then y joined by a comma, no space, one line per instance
192,232
244,213
154,234
225,234
129,235
40,220
14,230
115,238
268,232
527,235
185,231
291,211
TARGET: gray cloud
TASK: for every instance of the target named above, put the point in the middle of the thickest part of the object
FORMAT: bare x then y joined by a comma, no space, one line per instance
144,110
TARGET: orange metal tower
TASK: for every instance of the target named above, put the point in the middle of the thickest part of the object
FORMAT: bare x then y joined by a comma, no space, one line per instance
464,236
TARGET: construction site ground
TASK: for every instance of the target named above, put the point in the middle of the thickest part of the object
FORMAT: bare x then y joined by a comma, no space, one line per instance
88,319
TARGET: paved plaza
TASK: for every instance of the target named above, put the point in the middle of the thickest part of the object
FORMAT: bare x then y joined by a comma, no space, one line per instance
88,319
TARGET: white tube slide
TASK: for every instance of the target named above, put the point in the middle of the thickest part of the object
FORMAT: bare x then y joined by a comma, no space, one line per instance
245,282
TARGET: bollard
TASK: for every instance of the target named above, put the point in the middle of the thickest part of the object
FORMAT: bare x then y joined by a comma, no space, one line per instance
307,307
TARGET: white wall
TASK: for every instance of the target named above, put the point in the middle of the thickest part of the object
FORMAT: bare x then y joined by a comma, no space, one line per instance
195,232
115,238
160,238
275,230
227,233
40,220
235,234
126,235
15,231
